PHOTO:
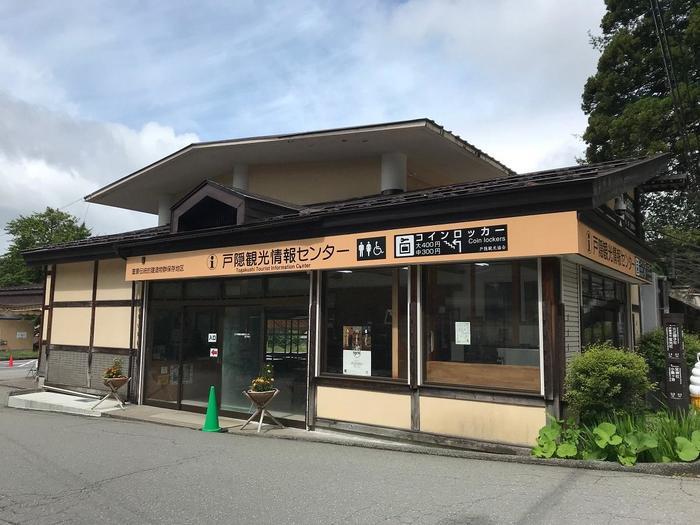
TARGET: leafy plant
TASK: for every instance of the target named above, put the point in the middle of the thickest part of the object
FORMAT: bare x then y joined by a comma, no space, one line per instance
627,438
633,445
667,426
607,441
558,438
265,381
115,370
606,380
688,449
606,434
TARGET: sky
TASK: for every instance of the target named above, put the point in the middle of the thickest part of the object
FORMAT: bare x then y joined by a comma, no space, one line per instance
93,90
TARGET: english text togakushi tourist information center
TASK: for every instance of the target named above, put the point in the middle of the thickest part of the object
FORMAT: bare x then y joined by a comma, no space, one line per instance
400,281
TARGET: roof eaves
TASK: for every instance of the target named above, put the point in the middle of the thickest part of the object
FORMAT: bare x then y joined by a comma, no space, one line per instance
261,138
459,141
618,179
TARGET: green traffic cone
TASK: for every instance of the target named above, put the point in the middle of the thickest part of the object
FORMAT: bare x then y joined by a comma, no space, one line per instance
211,422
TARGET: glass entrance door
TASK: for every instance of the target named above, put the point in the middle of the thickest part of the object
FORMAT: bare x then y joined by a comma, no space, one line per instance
162,370
286,348
248,322
241,357
200,365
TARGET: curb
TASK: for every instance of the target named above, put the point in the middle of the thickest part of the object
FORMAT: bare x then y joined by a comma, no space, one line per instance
353,440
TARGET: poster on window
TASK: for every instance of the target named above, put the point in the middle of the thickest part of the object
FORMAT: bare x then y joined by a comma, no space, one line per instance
357,350
463,333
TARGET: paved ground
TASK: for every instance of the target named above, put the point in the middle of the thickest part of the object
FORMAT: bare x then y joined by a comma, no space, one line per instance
18,371
15,377
66,469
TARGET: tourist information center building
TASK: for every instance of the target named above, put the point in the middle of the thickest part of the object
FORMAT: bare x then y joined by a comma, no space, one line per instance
400,281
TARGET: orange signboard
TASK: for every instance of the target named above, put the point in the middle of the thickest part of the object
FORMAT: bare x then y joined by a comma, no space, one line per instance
504,238
602,250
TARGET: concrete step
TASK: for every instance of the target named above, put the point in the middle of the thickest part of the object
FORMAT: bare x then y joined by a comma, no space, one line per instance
63,403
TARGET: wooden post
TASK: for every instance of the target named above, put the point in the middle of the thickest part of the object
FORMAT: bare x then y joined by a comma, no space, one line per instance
92,322
553,336
414,347
312,350
395,323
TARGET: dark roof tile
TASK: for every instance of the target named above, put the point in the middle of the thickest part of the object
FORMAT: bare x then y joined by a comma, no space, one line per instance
502,184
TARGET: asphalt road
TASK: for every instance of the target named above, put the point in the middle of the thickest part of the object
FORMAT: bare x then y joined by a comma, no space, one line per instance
69,469
19,370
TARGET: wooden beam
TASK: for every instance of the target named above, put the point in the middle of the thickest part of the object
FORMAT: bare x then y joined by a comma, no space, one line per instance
42,318
553,334
92,319
131,339
515,307
414,345
52,290
395,322
312,350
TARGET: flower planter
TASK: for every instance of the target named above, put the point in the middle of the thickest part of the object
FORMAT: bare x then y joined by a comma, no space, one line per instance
261,398
115,382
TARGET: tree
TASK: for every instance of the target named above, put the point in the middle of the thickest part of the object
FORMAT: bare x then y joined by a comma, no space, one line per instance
631,112
49,227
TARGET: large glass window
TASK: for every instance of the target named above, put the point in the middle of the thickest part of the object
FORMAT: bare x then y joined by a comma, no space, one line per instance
481,325
365,319
222,332
603,309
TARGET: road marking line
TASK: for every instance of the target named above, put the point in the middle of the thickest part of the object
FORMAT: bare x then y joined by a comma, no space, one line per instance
27,363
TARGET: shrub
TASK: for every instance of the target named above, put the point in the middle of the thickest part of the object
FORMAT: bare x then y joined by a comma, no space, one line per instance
558,438
606,380
626,438
672,426
652,348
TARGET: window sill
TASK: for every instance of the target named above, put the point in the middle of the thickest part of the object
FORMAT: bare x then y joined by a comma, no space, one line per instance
363,383
438,387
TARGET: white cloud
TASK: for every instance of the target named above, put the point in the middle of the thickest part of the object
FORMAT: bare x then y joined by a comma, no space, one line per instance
49,158
107,89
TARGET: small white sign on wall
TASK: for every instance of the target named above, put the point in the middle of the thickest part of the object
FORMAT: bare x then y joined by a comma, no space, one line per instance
213,352
463,333
211,338
21,335
357,362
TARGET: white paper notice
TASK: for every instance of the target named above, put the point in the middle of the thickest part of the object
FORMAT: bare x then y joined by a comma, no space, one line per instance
211,338
357,362
463,333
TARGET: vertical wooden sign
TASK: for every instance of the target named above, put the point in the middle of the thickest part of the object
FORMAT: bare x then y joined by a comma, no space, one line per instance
676,373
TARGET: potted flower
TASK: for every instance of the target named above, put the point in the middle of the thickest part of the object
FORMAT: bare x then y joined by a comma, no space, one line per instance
114,376
262,388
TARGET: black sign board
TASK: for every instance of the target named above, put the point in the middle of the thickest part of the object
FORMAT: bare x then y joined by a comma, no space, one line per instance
642,269
675,385
482,239
676,381
371,248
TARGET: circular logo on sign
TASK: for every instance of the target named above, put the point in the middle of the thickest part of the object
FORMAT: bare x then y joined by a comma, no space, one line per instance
212,262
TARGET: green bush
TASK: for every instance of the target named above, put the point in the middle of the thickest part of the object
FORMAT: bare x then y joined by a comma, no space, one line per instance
626,438
652,348
672,426
606,380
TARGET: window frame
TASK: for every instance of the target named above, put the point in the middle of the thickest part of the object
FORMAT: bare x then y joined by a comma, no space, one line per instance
625,302
321,334
421,351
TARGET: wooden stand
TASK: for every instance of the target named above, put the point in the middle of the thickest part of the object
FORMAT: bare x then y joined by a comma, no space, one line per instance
114,384
260,400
